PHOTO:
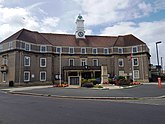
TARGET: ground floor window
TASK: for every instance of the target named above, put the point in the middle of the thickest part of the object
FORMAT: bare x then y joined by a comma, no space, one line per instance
26,76
136,74
4,76
42,76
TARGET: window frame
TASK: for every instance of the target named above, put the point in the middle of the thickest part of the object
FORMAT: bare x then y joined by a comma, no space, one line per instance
122,50
134,62
83,60
136,74
29,46
97,62
70,62
43,46
71,50
136,48
94,51
83,48
28,72
25,60
106,49
60,48
41,62
5,61
121,60
41,75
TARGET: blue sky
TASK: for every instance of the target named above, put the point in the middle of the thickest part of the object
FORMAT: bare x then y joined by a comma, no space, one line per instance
143,18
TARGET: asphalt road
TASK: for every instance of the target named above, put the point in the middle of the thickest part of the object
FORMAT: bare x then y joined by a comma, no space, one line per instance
19,109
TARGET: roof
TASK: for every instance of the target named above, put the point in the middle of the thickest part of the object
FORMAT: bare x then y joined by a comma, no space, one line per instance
70,39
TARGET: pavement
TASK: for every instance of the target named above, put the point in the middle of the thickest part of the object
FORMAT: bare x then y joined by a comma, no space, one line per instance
145,91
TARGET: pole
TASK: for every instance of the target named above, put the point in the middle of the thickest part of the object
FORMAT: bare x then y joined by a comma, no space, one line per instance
60,68
157,53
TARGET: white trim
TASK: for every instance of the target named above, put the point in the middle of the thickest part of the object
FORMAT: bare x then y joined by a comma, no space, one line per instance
85,49
60,49
4,76
83,62
94,50
122,50
136,47
43,46
136,74
97,62
41,62
29,48
106,49
26,57
69,62
122,60
28,72
70,50
40,75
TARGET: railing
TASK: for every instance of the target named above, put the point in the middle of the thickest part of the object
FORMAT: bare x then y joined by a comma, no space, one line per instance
82,67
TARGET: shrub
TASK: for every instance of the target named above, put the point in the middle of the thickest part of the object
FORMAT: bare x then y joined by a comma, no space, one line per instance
88,85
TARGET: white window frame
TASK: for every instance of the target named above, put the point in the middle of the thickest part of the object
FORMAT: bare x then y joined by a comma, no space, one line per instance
106,51
60,48
121,60
28,72
70,62
43,46
29,48
4,76
121,50
26,57
83,49
41,62
134,61
71,50
94,51
97,62
83,62
41,74
136,74
134,48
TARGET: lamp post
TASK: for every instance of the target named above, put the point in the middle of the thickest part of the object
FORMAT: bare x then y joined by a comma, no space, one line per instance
157,51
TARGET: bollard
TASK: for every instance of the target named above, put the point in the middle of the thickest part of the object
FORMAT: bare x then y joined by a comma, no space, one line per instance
159,82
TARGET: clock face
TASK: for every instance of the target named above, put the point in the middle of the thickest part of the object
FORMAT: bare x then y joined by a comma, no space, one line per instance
80,34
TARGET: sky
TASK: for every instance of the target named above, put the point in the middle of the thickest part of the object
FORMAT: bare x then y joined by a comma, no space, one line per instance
145,19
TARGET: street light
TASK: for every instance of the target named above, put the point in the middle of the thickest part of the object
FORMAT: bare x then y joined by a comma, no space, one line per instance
157,51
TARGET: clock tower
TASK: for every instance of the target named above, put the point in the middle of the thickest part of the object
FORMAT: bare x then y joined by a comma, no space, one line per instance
80,33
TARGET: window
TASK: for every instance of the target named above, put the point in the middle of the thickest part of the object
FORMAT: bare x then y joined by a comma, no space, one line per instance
71,50
71,62
26,76
94,50
1,48
121,62
42,62
95,62
10,45
106,51
135,62
4,76
5,61
83,62
58,50
121,73
27,47
42,76
135,49
83,50
26,61
136,74
120,50
43,49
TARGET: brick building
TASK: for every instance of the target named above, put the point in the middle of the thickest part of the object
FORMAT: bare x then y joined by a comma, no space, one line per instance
30,56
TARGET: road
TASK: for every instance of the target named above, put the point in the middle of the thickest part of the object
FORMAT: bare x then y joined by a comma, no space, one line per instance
19,109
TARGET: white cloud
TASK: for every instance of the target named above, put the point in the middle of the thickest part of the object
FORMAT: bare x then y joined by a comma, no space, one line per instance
149,32
109,11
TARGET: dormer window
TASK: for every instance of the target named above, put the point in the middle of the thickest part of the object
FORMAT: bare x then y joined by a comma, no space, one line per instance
106,51
71,50
27,47
135,49
120,50
10,45
58,50
83,50
94,50
43,49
